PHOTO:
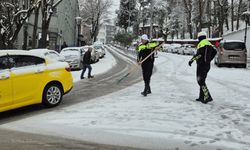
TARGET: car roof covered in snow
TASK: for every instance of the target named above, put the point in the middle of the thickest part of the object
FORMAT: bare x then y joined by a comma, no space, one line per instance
228,41
87,46
42,51
16,52
72,48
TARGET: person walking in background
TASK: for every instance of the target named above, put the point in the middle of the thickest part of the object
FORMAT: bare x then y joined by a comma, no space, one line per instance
87,63
144,50
205,54
64,45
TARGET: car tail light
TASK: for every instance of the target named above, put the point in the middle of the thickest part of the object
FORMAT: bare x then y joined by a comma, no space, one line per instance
68,69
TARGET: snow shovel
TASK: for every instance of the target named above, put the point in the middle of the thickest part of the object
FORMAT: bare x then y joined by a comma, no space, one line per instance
135,67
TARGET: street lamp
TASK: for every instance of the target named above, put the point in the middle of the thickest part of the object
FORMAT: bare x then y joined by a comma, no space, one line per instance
78,23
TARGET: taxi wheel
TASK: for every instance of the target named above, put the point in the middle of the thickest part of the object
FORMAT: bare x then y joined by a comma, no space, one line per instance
52,95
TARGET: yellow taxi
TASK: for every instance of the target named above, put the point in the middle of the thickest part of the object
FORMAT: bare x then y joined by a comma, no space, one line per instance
27,79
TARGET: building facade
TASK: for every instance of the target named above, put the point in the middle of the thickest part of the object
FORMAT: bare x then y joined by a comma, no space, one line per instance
107,33
64,27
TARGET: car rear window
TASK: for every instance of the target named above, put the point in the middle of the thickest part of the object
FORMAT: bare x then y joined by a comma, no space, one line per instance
234,46
70,52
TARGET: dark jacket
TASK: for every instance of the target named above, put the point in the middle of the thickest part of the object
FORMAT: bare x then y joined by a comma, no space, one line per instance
87,58
205,52
144,50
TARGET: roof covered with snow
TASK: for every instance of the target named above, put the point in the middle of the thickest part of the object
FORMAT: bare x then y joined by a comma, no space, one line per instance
227,41
15,52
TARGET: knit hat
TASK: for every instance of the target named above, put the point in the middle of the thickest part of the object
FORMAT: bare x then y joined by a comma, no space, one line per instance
145,37
202,34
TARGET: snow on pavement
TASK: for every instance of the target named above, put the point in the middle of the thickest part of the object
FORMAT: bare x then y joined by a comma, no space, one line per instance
100,67
169,118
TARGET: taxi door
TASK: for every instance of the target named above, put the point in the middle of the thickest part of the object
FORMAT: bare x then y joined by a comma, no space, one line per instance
28,76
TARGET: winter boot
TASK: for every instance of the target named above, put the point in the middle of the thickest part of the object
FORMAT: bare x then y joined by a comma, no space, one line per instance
148,90
201,96
90,76
207,97
145,91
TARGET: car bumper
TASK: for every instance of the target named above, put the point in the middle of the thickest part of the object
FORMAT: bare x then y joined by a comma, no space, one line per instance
232,62
66,92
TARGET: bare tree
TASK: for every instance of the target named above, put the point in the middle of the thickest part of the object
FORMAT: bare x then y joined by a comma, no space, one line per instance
92,12
12,18
47,8
37,9
238,14
188,10
232,15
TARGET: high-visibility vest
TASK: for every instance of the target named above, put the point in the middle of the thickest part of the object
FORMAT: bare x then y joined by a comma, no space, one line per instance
203,43
147,46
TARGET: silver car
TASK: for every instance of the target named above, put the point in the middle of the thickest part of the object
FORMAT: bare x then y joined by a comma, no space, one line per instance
74,56
231,52
188,49
95,56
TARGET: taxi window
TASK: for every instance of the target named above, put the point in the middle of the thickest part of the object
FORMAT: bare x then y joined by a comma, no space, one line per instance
23,60
4,63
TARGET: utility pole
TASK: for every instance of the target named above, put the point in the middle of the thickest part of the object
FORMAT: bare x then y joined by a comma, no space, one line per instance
247,15
151,18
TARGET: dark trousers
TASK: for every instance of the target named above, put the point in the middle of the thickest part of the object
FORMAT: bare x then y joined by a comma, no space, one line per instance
201,74
85,66
147,70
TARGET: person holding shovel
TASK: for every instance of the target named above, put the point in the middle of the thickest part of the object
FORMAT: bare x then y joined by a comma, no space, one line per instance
146,60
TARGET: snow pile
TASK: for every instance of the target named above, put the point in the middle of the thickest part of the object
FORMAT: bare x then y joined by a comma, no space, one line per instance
168,118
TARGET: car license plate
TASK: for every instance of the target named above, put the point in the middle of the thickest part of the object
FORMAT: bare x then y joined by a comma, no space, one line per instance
234,57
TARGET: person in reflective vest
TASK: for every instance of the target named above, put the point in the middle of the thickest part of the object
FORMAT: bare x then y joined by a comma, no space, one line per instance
203,58
145,49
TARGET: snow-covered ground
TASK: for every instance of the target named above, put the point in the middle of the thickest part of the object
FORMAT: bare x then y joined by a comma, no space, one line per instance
169,118
100,67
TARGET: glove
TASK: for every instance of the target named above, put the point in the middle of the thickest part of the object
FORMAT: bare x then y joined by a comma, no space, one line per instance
190,63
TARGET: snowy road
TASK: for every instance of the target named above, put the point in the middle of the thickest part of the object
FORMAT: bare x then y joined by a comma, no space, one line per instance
170,118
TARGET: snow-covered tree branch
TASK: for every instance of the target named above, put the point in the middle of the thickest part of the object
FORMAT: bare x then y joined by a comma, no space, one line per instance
12,18
92,12
47,8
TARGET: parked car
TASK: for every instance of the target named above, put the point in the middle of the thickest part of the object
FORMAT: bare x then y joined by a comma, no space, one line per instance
74,56
27,79
231,52
101,51
94,54
189,49
166,47
48,54
175,47
180,51
100,48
